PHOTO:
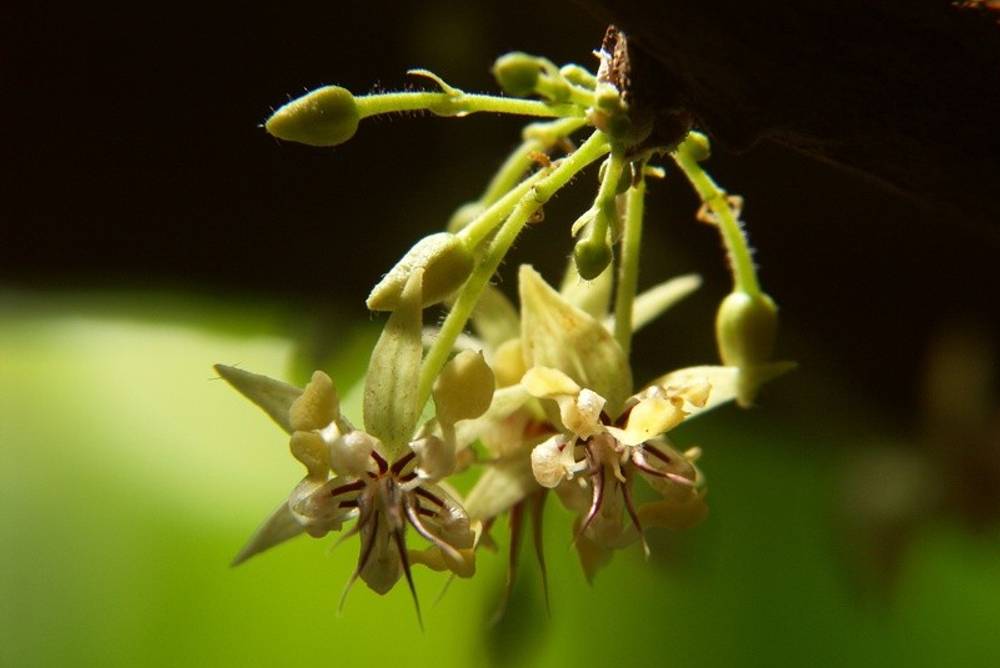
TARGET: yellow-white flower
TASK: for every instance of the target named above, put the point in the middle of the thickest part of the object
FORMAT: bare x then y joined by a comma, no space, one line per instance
388,476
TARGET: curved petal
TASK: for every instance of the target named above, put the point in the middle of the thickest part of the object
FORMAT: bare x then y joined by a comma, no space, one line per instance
721,379
648,419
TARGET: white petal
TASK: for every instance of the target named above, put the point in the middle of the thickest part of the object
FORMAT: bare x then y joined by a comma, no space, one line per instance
552,461
582,416
350,453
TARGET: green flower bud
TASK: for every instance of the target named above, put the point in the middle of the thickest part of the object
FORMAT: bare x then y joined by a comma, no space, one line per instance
517,73
698,146
464,389
745,329
446,262
325,117
592,256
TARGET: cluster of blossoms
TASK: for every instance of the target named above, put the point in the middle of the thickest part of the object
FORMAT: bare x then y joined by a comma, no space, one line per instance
547,390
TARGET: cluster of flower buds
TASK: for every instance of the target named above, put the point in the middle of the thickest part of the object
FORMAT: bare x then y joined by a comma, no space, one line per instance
539,397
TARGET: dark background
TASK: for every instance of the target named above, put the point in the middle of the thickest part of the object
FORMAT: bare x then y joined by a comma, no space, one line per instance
135,160
149,228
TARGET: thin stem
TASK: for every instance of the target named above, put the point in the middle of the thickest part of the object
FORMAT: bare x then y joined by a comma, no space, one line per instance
464,103
487,221
540,192
538,137
733,237
628,266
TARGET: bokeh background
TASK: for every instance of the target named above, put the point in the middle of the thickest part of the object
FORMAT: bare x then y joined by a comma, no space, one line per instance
150,229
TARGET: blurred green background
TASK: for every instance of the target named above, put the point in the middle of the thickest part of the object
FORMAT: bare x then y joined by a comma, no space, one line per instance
151,230
132,476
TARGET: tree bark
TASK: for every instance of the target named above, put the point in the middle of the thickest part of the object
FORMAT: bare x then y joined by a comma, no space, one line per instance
907,93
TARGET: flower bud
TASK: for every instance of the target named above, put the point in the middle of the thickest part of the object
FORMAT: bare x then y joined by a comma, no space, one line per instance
698,146
325,117
745,329
464,389
517,73
592,256
446,262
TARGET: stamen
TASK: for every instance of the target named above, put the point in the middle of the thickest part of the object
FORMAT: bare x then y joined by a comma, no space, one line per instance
623,418
595,505
414,517
404,557
429,496
645,468
537,509
680,480
363,519
656,452
349,487
630,507
516,525
383,465
366,553
400,463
